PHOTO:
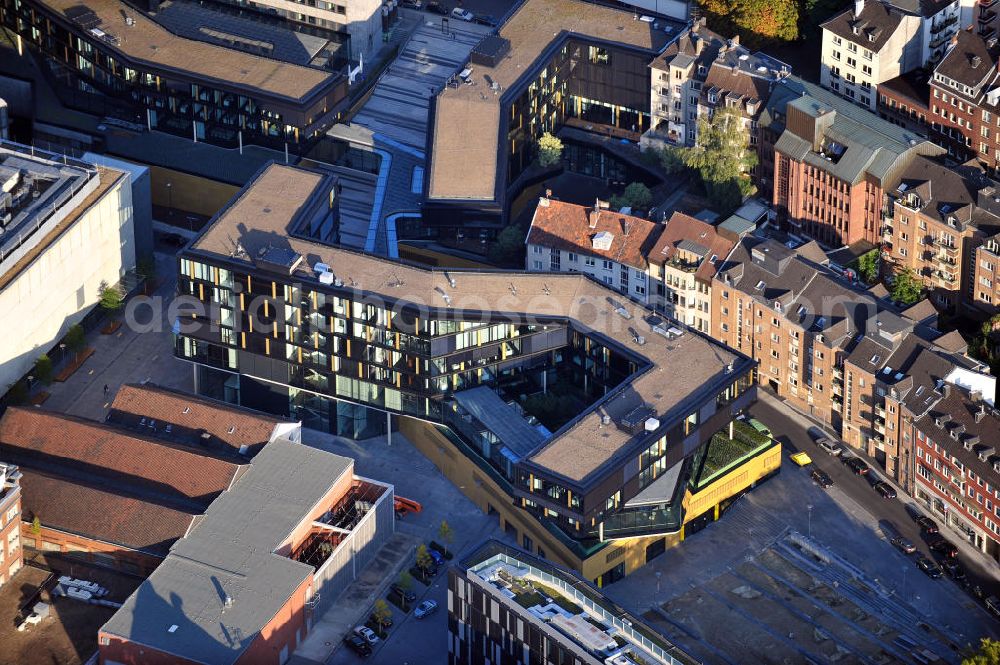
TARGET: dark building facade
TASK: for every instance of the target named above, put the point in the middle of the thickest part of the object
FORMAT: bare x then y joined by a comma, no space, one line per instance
110,59
344,341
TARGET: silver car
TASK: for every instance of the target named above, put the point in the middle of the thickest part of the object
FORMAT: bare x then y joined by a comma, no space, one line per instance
827,445
425,608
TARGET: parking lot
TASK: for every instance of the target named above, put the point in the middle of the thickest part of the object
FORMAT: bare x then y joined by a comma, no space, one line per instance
68,636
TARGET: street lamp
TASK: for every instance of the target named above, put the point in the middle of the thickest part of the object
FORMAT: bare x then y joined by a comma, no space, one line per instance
170,199
809,510
62,352
905,568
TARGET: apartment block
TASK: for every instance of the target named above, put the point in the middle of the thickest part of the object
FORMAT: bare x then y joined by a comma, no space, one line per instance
682,265
11,556
611,247
867,45
905,101
936,219
494,618
986,276
833,163
66,227
355,344
829,348
269,556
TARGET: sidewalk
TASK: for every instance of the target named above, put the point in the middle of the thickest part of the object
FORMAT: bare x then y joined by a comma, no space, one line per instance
964,546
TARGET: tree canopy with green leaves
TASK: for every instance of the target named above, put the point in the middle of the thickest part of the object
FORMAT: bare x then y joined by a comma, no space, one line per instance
381,614
43,369
906,288
508,248
723,158
424,560
75,338
636,195
111,298
446,533
549,150
987,654
868,266
757,22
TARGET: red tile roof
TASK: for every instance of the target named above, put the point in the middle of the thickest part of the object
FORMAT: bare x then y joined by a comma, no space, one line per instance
101,514
195,413
567,226
684,227
68,445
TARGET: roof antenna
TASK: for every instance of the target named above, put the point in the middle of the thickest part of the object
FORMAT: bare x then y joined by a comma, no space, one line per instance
513,289
546,290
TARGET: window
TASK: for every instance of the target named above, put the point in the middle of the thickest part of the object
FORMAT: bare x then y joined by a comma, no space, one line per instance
600,56
589,261
536,249
537,265
571,257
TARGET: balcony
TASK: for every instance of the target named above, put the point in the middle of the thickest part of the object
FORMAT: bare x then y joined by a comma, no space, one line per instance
880,412
838,373
880,428
945,279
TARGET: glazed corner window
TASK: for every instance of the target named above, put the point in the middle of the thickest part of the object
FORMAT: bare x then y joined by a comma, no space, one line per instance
599,56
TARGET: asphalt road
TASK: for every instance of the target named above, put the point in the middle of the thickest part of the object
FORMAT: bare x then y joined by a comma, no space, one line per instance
890,512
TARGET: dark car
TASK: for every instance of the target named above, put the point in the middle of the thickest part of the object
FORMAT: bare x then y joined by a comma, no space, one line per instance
886,490
955,571
926,524
929,567
437,556
485,19
436,8
821,478
408,596
412,4
873,480
357,644
945,547
173,239
904,545
857,465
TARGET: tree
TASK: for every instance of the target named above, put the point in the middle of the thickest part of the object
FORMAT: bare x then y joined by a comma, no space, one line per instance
111,298
868,266
405,582
906,288
75,338
723,158
381,614
43,369
987,654
446,533
36,526
424,560
671,160
549,150
508,248
635,196
755,22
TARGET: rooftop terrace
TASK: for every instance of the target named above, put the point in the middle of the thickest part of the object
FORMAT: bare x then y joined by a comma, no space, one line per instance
677,367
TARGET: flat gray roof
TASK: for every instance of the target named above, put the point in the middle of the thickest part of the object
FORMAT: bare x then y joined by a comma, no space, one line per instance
230,552
483,404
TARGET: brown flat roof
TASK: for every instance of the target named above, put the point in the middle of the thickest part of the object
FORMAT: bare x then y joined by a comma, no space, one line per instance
678,367
148,42
466,118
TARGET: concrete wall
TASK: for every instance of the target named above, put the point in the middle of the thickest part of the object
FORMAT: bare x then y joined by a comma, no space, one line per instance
142,201
62,284
189,192
93,551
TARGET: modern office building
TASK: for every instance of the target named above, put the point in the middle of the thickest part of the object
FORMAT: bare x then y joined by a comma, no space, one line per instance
553,62
339,339
609,246
66,227
507,606
11,557
937,218
833,162
269,556
108,58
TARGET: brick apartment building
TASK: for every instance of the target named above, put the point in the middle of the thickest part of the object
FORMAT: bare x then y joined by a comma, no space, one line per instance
986,276
829,348
936,218
833,162
11,558
904,101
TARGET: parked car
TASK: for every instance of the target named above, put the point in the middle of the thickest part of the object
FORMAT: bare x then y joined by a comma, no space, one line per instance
407,596
436,8
367,634
425,608
827,445
886,490
926,524
357,644
759,426
857,465
929,567
462,14
873,479
173,239
801,458
485,19
955,571
412,4
437,556
821,478
993,605
904,545
945,547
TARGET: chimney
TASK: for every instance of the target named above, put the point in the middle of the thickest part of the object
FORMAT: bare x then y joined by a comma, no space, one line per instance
699,44
595,215
981,413
859,6
734,42
976,61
